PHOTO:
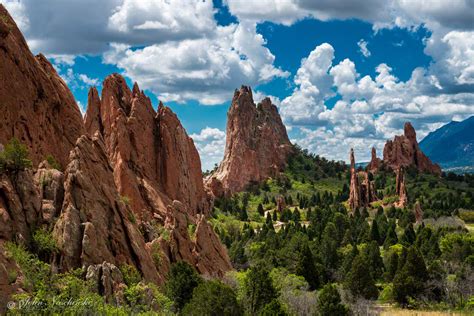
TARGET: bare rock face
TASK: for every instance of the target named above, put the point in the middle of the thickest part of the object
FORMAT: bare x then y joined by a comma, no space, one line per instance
361,194
180,165
212,257
257,145
280,204
203,250
95,225
36,105
157,170
355,199
418,212
50,183
374,163
20,206
153,158
404,151
108,282
400,188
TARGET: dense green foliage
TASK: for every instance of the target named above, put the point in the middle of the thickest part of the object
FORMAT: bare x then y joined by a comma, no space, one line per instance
182,280
376,252
311,257
330,302
213,298
14,157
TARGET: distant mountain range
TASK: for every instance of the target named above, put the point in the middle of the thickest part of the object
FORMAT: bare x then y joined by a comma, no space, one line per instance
452,146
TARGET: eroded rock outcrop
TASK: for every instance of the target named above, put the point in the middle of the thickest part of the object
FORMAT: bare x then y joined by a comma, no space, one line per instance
154,160
361,193
400,188
157,169
50,183
127,172
375,162
257,145
95,225
37,106
418,212
404,152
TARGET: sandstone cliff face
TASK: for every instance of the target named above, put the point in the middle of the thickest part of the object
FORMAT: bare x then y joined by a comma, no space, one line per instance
257,145
153,158
361,194
95,225
126,166
36,105
156,167
404,151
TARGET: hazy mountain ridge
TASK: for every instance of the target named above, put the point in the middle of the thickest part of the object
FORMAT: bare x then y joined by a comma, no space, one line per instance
452,145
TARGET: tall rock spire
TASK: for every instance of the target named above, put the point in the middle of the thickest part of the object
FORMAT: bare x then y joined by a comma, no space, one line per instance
257,145
354,189
360,194
375,162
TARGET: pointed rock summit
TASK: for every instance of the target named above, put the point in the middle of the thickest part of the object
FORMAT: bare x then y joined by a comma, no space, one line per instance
154,160
375,162
36,105
404,152
132,184
361,194
257,145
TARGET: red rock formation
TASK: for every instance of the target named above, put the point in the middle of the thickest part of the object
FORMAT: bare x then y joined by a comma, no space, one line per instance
400,188
154,160
354,193
132,159
50,183
36,105
374,163
179,163
157,167
95,225
280,204
418,212
404,151
360,194
257,145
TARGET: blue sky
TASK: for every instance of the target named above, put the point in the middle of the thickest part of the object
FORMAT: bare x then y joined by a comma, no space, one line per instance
343,73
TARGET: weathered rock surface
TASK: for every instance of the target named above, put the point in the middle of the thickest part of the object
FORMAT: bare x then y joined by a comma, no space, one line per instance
257,145
20,206
280,204
95,225
108,282
153,158
157,168
375,162
361,194
418,212
404,152
36,105
50,183
125,165
400,188
203,250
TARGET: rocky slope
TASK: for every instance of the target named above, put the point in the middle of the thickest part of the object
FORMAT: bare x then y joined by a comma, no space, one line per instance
404,151
458,137
132,188
36,105
257,145
153,158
